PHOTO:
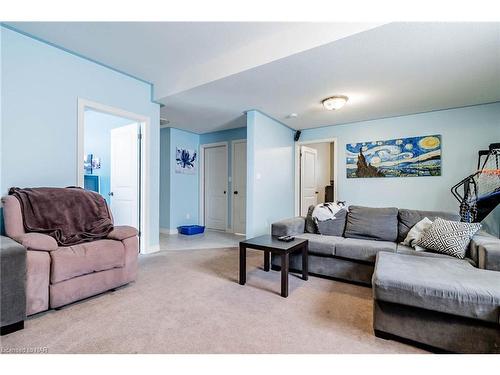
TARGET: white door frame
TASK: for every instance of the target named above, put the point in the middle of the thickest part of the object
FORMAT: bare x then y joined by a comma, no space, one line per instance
232,180
145,127
202,179
297,168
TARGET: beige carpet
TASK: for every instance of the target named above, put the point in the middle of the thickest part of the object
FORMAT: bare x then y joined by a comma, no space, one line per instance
189,301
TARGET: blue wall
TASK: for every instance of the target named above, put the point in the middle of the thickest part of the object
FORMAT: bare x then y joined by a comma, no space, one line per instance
270,176
98,128
226,136
184,187
464,131
180,192
40,88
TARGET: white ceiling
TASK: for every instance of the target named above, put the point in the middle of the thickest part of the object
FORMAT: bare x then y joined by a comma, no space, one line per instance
207,74
177,56
392,70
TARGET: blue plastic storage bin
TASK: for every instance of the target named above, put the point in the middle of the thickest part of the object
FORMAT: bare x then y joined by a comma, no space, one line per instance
191,229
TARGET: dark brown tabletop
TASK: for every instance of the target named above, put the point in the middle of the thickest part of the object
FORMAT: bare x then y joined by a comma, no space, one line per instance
266,242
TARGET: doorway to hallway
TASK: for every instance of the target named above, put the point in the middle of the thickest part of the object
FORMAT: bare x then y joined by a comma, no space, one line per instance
316,174
112,160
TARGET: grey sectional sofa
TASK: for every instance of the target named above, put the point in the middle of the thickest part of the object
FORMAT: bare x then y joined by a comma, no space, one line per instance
367,231
444,303
427,298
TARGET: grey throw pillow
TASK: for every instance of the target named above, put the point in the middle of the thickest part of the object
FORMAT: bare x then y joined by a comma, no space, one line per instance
333,227
408,218
310,224
370,223
449,237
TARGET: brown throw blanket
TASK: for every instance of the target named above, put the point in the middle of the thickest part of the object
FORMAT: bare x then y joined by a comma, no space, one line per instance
71,215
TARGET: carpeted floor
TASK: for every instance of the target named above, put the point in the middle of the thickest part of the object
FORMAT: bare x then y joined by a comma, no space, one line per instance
189,301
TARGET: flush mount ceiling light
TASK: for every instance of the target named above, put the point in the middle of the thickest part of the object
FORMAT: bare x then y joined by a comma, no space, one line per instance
335,102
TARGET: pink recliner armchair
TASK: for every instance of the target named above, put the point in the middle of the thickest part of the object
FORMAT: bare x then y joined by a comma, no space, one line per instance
57,276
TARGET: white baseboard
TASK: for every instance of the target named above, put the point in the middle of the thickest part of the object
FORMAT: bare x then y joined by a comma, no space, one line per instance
151,249
168,231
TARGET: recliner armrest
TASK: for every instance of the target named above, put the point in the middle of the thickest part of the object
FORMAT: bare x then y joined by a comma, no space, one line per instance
288,227
37,241
488,251
122,232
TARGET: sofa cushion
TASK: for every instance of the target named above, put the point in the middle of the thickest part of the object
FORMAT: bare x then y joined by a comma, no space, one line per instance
372,223
485,249
321,245
447,285
365,250
77,260
288,227
333,227
403,249
408,218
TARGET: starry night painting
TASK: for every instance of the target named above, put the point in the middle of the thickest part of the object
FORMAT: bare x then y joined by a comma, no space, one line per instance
403,157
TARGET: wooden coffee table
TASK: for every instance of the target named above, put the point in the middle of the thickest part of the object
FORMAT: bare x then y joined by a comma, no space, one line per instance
270,244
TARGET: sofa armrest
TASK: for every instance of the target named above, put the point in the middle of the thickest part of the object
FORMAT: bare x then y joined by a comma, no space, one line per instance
37,241
12,282
487,249
288,227
122,232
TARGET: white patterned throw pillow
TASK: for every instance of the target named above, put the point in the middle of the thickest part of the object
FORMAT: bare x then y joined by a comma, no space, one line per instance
416,233
449,237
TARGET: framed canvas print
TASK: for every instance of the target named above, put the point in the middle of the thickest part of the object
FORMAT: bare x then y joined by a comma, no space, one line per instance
185,161
402,157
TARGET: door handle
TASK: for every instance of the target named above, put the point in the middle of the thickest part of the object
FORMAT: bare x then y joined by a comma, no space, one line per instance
110,194
224,192
236,192
316,192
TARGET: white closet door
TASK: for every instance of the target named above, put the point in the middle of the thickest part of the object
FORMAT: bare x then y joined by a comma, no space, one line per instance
216,187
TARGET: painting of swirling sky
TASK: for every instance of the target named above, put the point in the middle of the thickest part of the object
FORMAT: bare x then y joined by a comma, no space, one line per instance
403,157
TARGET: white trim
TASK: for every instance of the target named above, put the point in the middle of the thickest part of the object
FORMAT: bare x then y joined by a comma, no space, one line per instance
169,231
232,182
201,207
151,249
297,168
145,123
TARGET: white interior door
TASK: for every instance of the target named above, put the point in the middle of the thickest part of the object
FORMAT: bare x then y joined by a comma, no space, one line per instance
239,187
308,179
124,175
215,175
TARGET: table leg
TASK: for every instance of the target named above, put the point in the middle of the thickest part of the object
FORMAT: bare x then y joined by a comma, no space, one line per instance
266,260
284,274
243,264
305,265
